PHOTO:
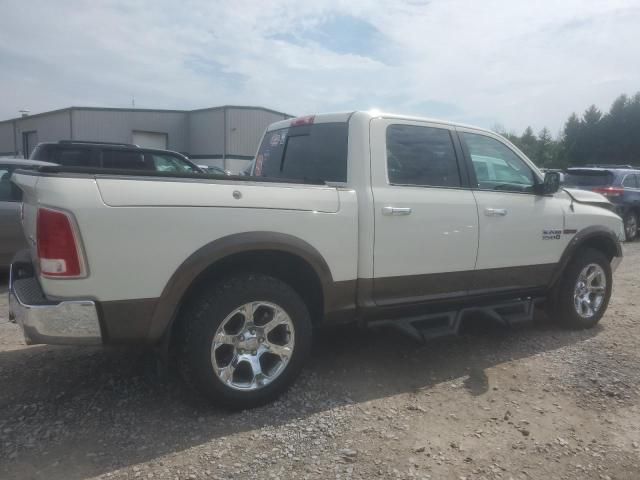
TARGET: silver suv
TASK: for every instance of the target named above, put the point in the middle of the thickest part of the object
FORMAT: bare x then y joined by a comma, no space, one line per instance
11,237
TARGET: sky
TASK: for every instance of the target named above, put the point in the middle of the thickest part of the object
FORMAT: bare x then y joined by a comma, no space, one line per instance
511,63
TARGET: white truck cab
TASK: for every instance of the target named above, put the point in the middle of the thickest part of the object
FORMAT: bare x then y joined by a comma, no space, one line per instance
349,217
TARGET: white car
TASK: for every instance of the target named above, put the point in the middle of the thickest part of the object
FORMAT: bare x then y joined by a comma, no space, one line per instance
348,217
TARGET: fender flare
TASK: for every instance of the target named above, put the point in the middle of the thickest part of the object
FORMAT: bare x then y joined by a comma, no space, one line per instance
579,240
170,300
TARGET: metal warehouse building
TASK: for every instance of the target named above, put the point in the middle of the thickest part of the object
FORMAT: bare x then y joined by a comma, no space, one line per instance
226,136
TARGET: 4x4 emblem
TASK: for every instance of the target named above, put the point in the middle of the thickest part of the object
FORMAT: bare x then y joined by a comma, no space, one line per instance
551,234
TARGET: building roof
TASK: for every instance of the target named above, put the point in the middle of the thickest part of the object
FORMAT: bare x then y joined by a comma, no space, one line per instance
161,110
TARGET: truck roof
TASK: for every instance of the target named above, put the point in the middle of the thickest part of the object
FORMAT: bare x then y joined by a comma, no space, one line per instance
366,115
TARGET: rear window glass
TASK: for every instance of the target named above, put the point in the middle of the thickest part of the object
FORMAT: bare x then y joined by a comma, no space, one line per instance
74,157
588,178
309,153
41,152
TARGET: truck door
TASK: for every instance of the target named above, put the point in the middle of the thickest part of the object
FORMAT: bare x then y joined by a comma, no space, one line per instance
521,232
426,220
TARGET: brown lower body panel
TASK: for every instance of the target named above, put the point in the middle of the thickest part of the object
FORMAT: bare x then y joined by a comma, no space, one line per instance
130,321
126,321
450,285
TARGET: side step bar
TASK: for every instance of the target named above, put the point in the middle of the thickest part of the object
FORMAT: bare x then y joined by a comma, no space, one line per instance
425,327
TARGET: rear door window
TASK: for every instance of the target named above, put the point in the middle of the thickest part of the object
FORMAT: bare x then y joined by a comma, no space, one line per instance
421,156
309,153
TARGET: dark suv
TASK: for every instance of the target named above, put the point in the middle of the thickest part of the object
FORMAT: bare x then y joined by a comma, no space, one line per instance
619,183
120,156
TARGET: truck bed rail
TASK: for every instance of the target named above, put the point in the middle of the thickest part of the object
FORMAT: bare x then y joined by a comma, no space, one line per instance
60,170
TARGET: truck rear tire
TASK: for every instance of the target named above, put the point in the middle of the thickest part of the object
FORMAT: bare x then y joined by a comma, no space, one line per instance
243,342
583,294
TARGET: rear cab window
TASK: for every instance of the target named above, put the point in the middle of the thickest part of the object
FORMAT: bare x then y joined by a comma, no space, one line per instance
311,153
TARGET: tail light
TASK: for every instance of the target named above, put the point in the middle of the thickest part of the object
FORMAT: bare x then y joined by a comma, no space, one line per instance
609,191
58,244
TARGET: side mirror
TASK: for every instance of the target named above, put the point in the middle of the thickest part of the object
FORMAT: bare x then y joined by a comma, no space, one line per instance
550,185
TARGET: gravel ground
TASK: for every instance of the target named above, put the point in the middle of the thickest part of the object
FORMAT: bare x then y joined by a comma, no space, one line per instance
531,402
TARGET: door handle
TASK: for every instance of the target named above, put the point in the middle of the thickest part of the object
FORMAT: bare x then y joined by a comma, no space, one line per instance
495,212
396,211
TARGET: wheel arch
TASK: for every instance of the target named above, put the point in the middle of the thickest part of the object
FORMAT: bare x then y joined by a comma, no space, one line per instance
284,256
598,237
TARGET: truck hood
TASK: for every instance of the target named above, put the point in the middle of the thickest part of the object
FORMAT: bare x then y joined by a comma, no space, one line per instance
588,197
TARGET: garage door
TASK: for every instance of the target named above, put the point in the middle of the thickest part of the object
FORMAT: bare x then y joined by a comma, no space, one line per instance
150,139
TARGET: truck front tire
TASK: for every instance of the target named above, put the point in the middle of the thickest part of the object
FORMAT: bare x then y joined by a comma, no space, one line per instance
584,291
243,342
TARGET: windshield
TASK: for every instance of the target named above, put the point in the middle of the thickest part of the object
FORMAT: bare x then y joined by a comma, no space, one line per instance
588,178
309,153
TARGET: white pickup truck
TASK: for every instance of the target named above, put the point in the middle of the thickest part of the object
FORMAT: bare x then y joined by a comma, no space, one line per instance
350,217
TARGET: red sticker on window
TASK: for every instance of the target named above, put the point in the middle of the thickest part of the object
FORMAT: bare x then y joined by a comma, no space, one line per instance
258,170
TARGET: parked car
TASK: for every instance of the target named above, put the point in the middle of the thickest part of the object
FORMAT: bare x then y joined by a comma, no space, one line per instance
619,183
355,217
119,156
11,237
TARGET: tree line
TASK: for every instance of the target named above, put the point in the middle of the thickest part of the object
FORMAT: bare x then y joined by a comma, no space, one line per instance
591,138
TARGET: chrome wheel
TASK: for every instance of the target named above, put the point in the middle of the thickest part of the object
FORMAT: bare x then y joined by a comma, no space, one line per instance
252,346
590,290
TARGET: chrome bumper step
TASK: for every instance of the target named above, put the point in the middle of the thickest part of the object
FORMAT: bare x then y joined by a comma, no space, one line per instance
68,322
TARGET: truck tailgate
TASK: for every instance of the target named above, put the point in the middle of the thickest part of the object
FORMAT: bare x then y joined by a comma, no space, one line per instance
121,192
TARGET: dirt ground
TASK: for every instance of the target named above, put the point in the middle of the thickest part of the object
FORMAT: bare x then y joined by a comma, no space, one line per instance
531,402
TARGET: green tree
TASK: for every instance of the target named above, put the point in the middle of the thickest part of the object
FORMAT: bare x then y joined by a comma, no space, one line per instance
571,140
593,138
545,149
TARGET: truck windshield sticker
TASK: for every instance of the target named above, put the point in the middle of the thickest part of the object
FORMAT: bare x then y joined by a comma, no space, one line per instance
258,167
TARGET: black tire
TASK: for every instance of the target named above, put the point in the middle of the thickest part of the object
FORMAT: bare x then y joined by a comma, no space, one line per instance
206,311
630,226
562,307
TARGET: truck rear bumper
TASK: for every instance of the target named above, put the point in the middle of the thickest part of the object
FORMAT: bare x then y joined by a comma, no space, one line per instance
68,322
